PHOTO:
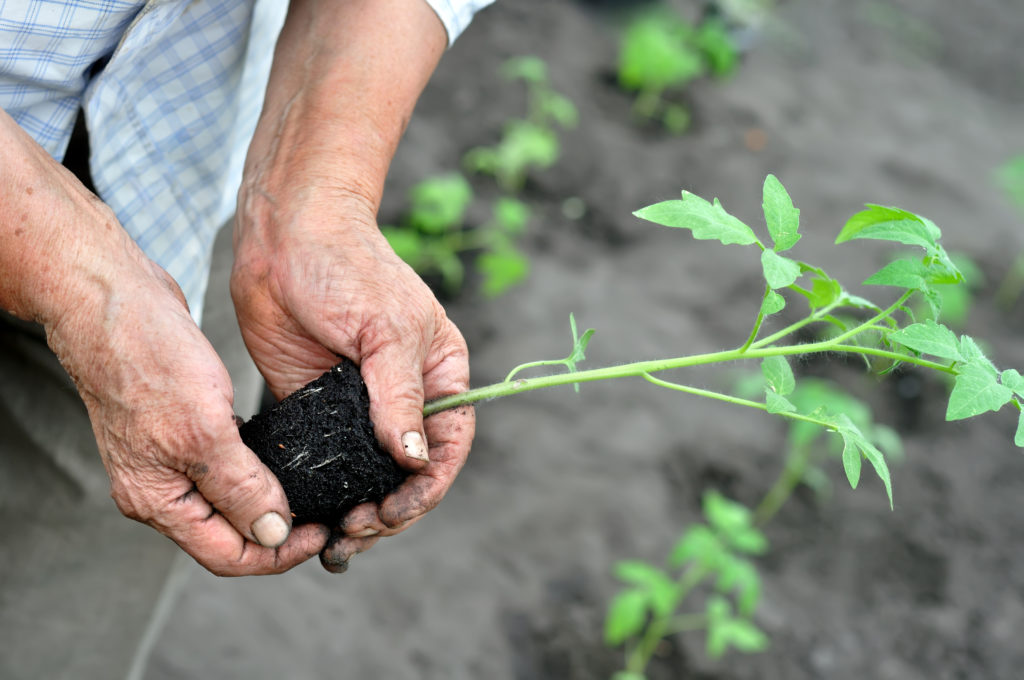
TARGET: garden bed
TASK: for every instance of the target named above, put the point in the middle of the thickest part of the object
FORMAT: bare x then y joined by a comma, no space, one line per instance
899,104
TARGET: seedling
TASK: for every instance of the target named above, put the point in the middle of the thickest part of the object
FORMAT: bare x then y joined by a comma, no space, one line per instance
1010,178
888,338
662,53
887,334
529,143
433,237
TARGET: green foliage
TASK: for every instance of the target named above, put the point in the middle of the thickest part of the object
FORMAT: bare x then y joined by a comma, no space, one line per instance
433,237
661,52
532,142
1010,178
713,555
717,553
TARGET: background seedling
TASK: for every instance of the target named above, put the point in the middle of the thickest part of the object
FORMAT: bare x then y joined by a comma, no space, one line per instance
661,53
433,236
528,143
1010,178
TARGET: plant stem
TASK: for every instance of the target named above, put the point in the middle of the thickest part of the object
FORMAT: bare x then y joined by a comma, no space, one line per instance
783,488
639,368
757,322
662,626
732,400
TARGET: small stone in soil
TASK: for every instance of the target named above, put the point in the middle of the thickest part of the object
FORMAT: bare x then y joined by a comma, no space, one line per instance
320,444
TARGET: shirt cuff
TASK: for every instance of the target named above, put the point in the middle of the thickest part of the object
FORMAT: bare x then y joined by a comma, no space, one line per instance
456,14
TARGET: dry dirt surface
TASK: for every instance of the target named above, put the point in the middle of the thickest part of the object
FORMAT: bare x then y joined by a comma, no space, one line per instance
910,103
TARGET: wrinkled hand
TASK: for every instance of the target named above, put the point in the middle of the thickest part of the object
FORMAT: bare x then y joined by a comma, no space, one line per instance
160,402
315,280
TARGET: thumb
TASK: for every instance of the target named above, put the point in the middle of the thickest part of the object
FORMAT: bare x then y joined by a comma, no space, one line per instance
244,490
394,379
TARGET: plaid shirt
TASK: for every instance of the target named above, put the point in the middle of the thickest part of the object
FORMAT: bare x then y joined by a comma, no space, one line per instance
171,113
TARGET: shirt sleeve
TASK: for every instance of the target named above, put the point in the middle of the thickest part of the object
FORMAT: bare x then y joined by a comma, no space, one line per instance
456,14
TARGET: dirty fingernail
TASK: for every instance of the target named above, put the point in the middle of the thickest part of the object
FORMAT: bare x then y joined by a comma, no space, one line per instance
270,530
415,446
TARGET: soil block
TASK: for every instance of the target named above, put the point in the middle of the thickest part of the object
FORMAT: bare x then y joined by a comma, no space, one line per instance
320,444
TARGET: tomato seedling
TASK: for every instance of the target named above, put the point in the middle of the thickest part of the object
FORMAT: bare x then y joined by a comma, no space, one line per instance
887,338
433,236
661,53
528,143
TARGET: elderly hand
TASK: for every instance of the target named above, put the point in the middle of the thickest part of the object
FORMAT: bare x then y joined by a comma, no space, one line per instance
317,280
314,278
158,397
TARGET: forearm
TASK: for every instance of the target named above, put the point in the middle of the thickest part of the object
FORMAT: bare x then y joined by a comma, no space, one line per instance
61,244
346,77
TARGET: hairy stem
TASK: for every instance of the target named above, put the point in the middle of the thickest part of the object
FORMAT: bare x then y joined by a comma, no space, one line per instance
639,368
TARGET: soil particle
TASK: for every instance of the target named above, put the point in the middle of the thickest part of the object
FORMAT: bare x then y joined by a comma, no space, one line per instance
320,444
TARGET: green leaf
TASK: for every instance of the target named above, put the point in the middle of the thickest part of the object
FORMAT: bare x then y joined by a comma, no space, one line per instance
773,303
627,615
708,221
891,224
734,524
976,391
748,540
740,575
1018,438
779,375
438,204
511,215
560,109
903,273
718,46
725,631
639,573
823,292
851,461
579,348
698,544
930,338
723,514
528,68
501,270
1012,378
740,634
628,675
779,271
653,58
973,355
782,218
661,589
777,403
853,438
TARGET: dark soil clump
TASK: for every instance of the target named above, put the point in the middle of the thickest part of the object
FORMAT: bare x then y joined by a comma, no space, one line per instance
320,444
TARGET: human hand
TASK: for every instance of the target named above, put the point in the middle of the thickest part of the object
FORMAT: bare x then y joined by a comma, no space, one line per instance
314,279
158,397
160,402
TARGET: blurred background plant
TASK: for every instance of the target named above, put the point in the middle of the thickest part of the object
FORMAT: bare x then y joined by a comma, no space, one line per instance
714,558
1010,178
433,235
661,52
531,142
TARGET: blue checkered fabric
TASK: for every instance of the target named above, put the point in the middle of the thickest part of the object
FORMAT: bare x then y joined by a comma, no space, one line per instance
170,113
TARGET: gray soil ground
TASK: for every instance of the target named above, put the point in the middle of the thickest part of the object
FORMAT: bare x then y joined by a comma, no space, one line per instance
910,103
